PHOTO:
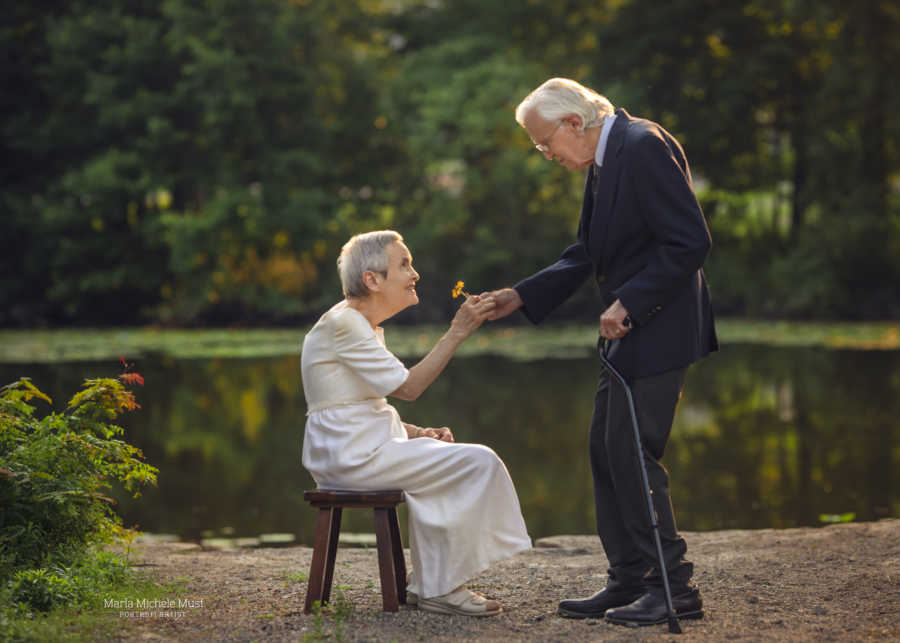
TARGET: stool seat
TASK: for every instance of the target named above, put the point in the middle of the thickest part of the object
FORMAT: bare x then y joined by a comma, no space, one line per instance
353,498
391,565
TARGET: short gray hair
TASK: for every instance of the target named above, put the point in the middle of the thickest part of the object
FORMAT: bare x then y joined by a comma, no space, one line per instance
560,97
366,251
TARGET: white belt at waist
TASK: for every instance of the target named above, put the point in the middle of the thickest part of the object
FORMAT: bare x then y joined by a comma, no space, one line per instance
322,406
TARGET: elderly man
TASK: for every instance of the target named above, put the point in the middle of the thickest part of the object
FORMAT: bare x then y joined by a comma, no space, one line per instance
643,237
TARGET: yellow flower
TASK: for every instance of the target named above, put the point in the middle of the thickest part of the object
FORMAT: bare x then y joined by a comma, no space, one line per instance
458,290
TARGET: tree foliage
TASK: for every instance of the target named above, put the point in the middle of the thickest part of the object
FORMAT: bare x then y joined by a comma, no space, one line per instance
186,162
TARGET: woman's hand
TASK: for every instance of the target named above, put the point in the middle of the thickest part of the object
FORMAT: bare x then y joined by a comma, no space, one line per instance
472,314
443,434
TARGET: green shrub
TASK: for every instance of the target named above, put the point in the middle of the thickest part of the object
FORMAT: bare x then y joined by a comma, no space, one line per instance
67,603
54,472
41,589
78,584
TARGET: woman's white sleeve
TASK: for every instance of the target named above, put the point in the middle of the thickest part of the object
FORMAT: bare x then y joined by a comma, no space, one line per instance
357,346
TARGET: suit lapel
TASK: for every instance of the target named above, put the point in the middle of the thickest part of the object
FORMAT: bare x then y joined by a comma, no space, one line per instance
606,184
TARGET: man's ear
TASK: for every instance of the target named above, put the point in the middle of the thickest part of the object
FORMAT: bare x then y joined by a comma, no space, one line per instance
574,120
370,279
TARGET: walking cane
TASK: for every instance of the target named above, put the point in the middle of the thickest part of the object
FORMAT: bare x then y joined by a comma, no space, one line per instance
674,627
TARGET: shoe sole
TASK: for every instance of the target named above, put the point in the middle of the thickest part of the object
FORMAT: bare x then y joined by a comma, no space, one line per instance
569,614
446,609
683,616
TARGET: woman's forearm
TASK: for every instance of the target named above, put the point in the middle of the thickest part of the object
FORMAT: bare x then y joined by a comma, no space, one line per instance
426,371
469,317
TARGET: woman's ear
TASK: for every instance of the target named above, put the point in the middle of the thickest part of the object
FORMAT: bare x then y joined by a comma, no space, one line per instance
371,280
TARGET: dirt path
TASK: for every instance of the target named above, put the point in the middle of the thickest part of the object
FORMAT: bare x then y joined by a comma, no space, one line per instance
837,583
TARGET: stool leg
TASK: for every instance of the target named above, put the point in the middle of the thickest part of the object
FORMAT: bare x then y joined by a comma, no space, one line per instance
332,552
320,554
386,560
399,562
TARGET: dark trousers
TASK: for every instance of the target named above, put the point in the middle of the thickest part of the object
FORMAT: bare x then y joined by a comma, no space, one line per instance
623,521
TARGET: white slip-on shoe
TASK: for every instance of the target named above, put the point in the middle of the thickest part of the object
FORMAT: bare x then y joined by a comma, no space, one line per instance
461,602
413,599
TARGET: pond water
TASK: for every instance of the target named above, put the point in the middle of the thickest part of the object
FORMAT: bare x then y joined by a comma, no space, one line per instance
764,437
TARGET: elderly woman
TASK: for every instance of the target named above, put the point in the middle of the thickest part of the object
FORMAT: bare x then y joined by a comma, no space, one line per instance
463,510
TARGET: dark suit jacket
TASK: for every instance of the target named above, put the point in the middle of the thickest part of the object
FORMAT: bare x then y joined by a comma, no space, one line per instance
643,237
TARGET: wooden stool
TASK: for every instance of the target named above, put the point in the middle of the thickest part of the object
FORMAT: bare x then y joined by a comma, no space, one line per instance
391,565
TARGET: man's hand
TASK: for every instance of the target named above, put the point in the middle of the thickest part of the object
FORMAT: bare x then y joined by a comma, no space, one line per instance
612,321
506,301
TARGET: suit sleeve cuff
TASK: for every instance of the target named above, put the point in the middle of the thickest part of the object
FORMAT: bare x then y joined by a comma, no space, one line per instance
639,314
529,314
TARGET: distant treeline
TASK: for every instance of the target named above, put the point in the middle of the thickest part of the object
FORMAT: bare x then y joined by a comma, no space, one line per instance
185,163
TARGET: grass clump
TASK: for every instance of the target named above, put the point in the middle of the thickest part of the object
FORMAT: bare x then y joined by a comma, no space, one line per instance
72,602
296,577
336,614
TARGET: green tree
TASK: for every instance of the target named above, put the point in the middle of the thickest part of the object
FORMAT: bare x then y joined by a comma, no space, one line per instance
93,76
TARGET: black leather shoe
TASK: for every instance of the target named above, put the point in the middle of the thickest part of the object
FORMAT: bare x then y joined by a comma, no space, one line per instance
650,609
613,595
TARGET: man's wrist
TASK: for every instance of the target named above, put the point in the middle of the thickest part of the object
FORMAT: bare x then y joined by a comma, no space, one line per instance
517,298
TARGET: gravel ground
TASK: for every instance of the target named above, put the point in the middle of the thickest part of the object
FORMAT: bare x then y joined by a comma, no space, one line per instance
836,583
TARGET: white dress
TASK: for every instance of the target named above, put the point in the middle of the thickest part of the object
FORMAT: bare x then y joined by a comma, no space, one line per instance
463,510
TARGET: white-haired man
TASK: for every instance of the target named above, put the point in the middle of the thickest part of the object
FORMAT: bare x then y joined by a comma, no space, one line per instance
643,238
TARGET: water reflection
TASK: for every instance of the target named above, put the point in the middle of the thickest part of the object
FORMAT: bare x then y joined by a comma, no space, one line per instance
765,437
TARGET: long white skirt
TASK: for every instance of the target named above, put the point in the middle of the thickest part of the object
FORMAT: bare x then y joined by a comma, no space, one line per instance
464,514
